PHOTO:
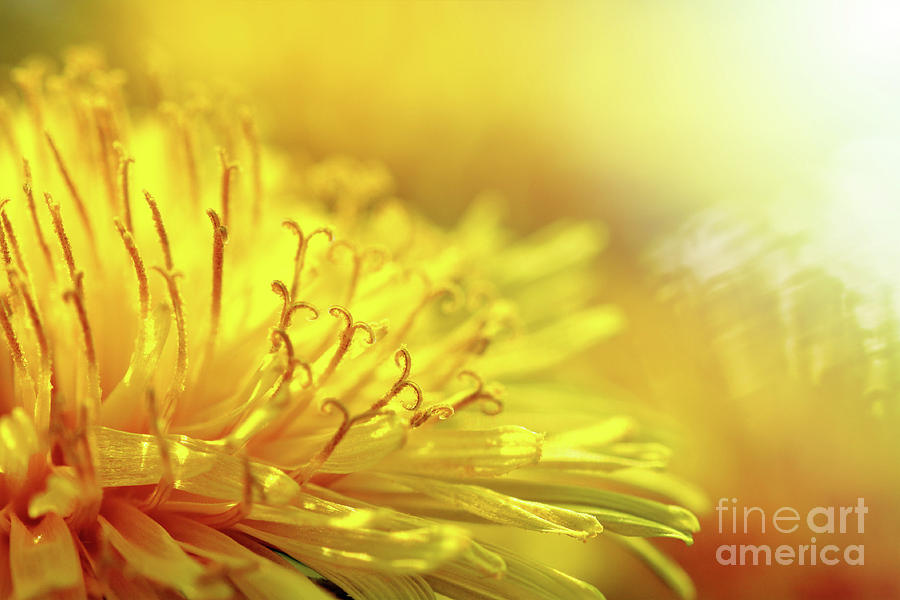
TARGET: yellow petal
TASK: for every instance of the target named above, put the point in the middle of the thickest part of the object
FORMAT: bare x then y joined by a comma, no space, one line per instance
134,459
375,586
18,443
151,552
494,506
60,496
256,577
664,484
43,559
556,342
366,444
573,459
224,476
364,540
667,569
468,453
597,435
618,512
550,251
521,579
118,407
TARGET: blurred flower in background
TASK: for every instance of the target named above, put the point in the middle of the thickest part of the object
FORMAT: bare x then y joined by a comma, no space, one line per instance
742,155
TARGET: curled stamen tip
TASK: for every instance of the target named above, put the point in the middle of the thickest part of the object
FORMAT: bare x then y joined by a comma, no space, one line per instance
368,329
326,231
280,288
493,406
419,396
475,377
342,244
280,335
403,360
306,369
293,226
377,257
441,411
300,305
339,312
329,405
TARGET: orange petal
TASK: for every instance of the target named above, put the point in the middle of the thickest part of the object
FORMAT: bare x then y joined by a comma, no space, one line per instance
256,577
43,559
150,551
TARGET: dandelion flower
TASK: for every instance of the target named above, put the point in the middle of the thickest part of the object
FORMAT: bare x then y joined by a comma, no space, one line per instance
214,386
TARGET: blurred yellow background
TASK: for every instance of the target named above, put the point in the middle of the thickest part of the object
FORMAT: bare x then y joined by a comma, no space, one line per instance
740,152
688,102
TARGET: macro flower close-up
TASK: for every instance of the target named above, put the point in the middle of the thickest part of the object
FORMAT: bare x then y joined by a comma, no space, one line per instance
221,384
449,300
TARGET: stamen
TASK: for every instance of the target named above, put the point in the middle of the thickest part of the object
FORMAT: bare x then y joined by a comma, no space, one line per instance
378,256
60,229
280,336
73,191
76,448
124,193
442,411
240,433
179,382
448,306
101,119
329,405
345,339
181,361
75,297
12,241
242,509
475,341
294,307
227,168
288,308
4,247
304,473
491,406
160,230
220,237
139,270
15,349
401,356
164,487
39,234
302,246
248,126
34,317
